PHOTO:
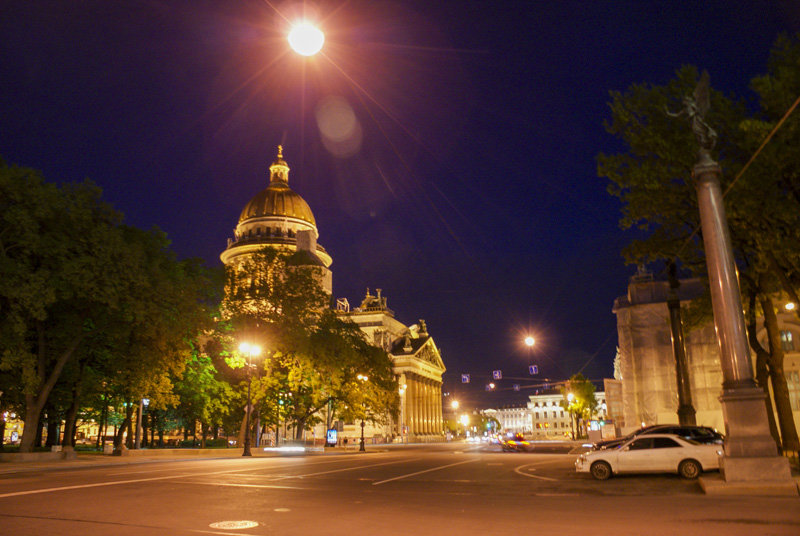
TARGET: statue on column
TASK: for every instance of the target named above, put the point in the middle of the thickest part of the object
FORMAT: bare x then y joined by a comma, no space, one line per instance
695,108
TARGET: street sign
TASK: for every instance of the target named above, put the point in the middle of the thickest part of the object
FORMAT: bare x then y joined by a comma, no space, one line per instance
465,378
332,437
497,374
533,369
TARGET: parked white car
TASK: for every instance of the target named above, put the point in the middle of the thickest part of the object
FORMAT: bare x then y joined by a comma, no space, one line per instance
652,453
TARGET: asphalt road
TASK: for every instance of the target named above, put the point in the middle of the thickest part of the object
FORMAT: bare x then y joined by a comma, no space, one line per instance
416,490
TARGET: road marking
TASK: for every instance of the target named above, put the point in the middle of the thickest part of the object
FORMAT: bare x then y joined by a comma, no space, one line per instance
102,484
340,470
268,486
519,471
244,524
421,472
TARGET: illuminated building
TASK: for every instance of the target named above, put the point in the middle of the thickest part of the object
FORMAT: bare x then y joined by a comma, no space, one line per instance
278,217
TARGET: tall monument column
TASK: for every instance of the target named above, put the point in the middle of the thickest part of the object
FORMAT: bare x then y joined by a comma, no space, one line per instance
750,451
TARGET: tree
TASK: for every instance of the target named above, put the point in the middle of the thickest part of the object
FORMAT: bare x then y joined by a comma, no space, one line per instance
653,181
202,395
313,358
59,252
578,399
82,296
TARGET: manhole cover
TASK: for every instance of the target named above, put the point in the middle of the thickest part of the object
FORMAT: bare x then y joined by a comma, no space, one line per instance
244,524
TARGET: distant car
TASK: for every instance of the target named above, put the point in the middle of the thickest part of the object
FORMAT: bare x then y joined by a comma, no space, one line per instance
700,434
515,443
652,453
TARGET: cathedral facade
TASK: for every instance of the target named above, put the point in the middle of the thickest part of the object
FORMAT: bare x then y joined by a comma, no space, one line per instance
278,217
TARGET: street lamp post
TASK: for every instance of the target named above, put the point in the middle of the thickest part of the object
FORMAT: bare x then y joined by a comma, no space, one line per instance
251,350
403,412
570,398
362,378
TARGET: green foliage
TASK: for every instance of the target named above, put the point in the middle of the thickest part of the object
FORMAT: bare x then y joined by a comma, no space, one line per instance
88,304
311,359
578,397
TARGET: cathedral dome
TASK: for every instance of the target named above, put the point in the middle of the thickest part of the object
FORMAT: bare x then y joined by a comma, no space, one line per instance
277,200
279,218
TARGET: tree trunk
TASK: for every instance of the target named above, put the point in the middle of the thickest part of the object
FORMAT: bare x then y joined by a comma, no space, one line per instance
120,434
786,284
129,410
204,433
71,417
101,431
300,425
34,402
780,390
762,371
2,429
53,423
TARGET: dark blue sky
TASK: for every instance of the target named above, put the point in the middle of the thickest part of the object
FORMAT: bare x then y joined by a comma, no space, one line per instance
472,199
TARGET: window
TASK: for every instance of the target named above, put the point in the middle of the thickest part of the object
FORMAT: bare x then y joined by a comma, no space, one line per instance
641,444
786,341
664,443
793,383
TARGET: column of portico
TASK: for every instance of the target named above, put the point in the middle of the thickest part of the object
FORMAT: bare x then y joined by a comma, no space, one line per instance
410,394
417,409
429,400
416,406
439,423
421,406
429,406
425,406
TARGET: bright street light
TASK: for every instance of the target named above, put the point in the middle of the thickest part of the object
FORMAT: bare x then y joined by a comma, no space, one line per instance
306,39
454,404
530,341
789,306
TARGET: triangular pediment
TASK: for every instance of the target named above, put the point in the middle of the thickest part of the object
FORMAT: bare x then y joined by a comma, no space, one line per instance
429,353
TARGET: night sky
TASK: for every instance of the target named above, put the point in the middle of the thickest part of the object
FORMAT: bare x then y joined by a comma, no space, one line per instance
463,182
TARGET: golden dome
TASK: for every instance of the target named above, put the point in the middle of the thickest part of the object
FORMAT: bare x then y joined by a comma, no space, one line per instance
278,199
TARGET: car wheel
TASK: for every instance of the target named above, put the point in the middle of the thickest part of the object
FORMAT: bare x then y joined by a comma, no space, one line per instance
601,470
689,469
